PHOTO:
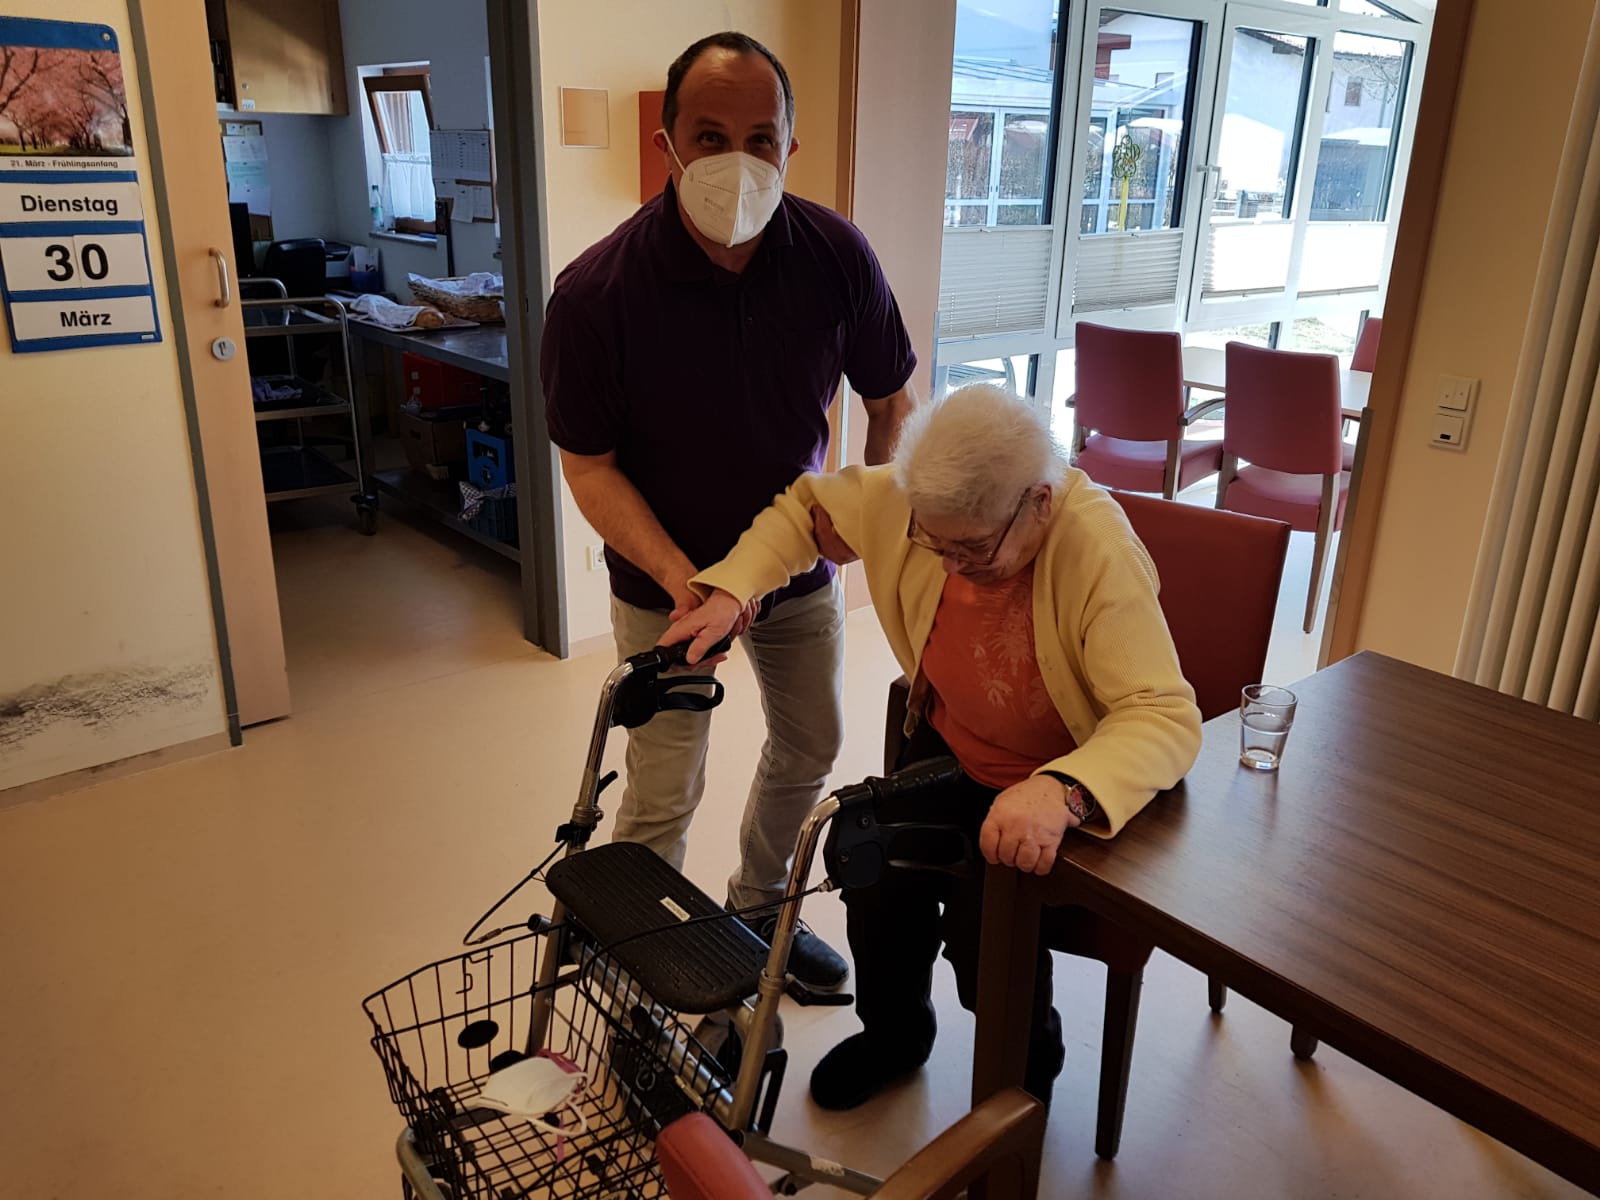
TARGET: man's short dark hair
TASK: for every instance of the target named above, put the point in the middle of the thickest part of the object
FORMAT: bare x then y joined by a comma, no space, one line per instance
739,43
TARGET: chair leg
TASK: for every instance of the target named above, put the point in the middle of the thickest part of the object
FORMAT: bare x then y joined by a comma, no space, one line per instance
1230,468
1169,485
1116,1056
1303,1042
1217,992
1319,551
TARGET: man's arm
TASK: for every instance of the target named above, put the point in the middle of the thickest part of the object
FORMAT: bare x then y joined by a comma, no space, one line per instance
609,502
884,419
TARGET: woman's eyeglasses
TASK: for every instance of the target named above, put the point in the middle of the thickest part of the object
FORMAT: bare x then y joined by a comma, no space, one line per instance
981,556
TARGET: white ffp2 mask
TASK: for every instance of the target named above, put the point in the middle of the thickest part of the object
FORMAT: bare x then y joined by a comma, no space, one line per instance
534,1089
729,197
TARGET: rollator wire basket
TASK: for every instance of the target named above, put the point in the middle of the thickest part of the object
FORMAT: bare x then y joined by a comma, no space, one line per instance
441,1030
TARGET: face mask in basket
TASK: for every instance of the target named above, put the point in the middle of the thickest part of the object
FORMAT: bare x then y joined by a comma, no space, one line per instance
537,1088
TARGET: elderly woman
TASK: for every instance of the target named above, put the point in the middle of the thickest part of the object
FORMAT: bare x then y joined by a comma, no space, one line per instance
1023,608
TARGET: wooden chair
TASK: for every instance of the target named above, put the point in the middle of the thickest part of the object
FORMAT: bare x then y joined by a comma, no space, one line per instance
1283,418
700,1162
1220,574
1365,359
1129,416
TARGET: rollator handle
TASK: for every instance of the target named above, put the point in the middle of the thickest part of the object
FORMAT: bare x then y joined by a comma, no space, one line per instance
665,658
860,847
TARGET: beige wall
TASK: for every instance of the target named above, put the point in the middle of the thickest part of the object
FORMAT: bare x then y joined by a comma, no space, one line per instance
625,47
107,647
902,141
1501,164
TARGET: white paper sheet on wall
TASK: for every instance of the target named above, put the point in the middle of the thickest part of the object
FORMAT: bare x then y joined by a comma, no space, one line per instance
461,155
242,149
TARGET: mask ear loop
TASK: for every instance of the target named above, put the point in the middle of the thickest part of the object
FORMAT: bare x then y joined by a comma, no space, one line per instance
673,150
580,1089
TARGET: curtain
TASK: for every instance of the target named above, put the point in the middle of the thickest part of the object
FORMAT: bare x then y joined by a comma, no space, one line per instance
1533,617
408,186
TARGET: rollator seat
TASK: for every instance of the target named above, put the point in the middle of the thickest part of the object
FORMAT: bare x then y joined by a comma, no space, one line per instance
622,890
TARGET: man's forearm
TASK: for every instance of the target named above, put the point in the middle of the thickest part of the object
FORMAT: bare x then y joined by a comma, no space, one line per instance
620,515
884,419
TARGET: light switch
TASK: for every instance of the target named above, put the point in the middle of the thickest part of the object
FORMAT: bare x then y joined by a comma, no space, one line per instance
1457,394
1449,430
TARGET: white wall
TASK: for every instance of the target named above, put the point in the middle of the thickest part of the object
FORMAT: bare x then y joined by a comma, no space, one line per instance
626,46
454,41
107,648
300,172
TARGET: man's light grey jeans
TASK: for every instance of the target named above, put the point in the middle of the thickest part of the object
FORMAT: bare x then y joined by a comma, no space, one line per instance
798,655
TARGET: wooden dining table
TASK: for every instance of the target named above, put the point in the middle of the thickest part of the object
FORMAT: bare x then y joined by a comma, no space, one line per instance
1418,886
1206,368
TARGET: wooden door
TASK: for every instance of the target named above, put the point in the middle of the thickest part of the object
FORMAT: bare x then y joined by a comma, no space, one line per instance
187,162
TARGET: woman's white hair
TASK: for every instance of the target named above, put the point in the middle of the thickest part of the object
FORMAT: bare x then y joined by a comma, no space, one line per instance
974,453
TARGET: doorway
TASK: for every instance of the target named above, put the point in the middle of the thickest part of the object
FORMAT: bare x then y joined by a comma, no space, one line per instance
309,172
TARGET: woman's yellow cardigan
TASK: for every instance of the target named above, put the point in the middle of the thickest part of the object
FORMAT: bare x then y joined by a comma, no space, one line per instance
1102,643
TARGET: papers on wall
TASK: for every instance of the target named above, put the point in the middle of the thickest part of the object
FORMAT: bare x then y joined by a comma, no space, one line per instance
461,155
244,157
469,201
242,149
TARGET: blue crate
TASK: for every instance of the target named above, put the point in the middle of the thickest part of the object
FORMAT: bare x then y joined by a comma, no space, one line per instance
489,463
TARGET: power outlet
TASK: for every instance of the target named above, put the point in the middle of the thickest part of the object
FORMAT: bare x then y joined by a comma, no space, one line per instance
597,558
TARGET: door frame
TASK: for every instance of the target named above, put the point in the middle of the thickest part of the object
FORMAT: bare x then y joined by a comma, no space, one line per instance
516,87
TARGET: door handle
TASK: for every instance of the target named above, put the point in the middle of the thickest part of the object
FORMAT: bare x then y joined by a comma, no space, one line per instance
224,285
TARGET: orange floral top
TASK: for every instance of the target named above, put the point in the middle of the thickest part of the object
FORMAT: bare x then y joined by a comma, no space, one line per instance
989,700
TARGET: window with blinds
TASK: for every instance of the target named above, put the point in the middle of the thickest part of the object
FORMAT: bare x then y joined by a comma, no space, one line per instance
994,280
1124,271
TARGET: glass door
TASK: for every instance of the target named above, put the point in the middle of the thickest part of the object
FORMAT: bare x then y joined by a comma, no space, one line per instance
1250,180
1143,82
1304,165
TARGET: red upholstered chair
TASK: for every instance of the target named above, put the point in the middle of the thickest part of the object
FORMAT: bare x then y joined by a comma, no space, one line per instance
700,1162
1283,419
1220,574
1129,413
1365,359
1366,356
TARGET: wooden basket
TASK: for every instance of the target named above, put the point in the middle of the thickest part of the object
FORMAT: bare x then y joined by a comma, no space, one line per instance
468,308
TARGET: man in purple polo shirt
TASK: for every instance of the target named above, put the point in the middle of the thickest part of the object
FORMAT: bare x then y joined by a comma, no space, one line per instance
689,360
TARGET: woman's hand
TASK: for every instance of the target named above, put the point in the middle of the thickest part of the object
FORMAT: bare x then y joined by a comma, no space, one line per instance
1026,824
719,617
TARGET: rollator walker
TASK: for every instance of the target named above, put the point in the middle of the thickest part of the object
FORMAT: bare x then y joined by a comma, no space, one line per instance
604,989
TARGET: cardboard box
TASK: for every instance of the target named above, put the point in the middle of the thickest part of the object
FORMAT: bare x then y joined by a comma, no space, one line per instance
433,443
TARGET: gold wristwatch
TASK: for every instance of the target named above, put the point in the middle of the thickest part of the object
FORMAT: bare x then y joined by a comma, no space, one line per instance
1079,802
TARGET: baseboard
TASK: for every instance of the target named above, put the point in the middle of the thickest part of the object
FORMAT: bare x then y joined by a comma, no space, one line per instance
87,777
592,645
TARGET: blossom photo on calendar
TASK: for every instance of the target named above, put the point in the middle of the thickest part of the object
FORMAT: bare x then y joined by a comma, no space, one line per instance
62,103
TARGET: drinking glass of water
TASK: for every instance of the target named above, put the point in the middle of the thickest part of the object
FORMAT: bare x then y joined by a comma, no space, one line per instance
1266,714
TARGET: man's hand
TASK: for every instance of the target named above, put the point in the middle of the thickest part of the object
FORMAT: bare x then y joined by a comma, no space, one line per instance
706,626
1025,827
834,548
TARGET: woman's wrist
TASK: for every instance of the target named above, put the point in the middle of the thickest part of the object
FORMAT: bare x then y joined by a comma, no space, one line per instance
1076,797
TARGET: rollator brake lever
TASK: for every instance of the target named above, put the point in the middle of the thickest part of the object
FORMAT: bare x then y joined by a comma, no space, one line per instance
642,693
806,996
